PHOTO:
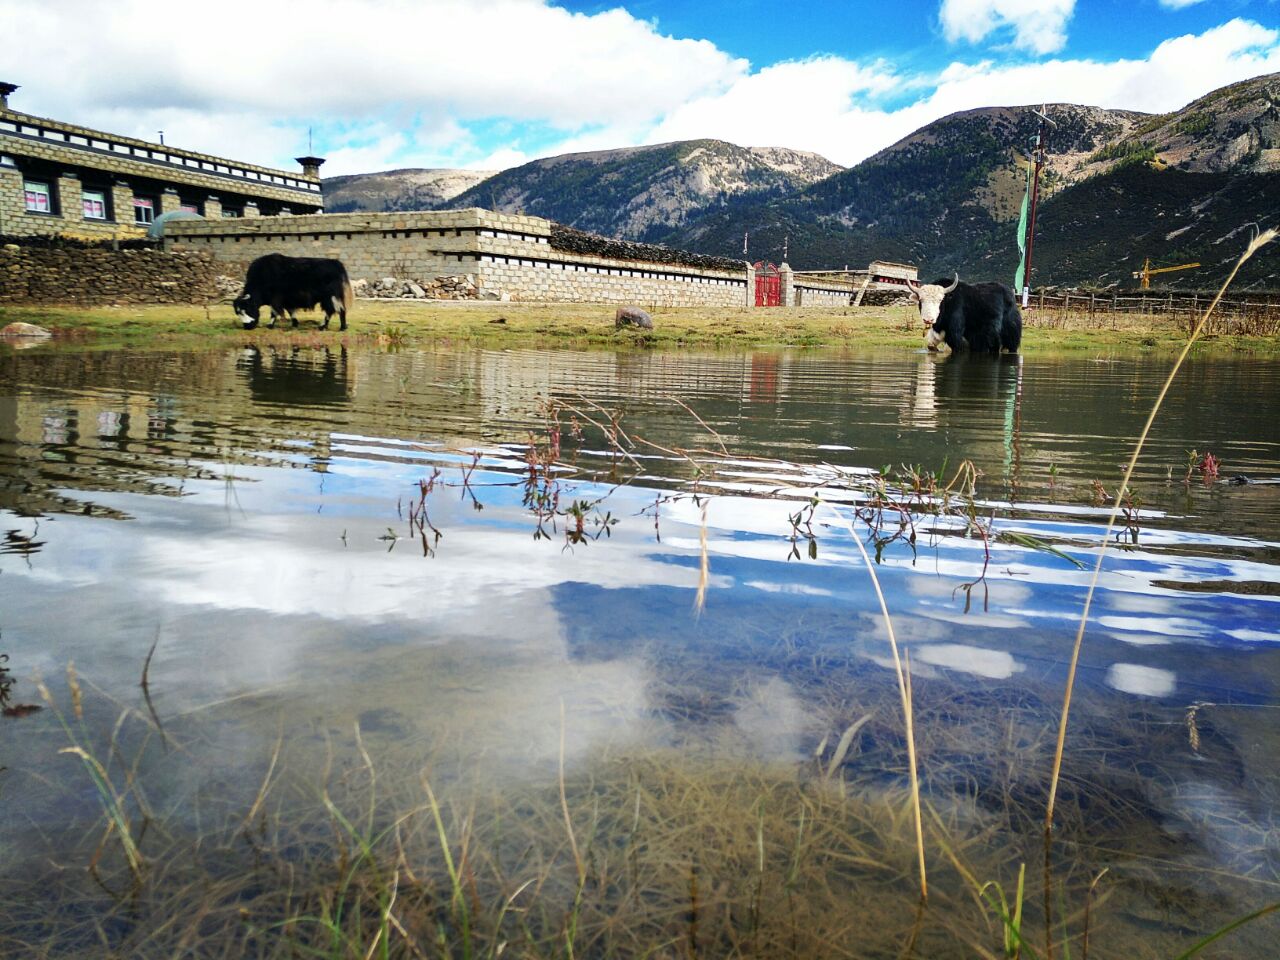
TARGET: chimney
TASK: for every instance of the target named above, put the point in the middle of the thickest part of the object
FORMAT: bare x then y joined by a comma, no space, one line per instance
310,166
5,90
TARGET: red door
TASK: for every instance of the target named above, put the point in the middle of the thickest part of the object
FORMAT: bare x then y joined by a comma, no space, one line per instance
768,285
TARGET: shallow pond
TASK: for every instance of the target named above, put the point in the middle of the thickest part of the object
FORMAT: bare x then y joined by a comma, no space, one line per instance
334,610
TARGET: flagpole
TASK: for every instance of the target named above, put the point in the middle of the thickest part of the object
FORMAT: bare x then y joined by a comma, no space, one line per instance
1043,114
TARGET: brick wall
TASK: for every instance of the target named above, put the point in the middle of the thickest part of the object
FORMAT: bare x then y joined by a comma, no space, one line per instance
100,275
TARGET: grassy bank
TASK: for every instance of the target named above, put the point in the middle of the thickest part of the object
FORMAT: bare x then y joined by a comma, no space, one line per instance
512,324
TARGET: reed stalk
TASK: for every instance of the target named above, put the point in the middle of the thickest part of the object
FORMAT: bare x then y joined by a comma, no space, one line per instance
904,691
1257,243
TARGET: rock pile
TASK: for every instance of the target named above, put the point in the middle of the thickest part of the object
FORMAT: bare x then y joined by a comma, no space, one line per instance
459,287
887,298
228,287
576,241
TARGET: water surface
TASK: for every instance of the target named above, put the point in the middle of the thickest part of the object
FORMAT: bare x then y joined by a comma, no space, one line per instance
254,515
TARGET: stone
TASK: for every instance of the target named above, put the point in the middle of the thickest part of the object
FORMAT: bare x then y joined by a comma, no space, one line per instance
18,329
416,290
632,317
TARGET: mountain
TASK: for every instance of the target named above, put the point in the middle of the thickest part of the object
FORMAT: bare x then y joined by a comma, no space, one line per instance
641,193
1118,187
1102,229
925,199
1183,187
1233,129
411,189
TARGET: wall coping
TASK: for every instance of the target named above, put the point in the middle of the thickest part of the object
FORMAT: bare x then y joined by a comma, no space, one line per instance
471,219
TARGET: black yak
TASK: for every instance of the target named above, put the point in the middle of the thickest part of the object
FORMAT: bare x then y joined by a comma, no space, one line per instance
286,284
982,317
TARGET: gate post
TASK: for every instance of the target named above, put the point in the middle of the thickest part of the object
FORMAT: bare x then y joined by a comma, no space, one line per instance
787,276
750,301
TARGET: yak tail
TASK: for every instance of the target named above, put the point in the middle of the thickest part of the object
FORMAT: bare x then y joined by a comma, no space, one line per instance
348,295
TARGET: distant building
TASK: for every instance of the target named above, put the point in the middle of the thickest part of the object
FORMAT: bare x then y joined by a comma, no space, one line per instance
60,179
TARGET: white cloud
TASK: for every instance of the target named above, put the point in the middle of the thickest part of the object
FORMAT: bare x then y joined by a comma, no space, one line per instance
1039,26
488,84
822,104
1179,4
808,105
346,61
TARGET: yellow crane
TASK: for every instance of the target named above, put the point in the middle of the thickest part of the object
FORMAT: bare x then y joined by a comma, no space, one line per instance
1147,272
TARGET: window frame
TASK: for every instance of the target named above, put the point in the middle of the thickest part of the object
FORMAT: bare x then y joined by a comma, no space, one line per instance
44,190
87,197
149,205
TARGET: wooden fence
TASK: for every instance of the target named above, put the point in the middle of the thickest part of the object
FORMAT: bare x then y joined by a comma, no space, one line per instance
1254,314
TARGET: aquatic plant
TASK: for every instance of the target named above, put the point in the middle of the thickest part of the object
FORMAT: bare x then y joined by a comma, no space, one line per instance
109,795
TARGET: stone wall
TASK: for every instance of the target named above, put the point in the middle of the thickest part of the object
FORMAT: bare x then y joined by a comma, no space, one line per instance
100,275
510,257
609,281
416,246
822,295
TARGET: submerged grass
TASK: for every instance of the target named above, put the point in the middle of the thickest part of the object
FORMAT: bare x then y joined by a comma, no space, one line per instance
693,850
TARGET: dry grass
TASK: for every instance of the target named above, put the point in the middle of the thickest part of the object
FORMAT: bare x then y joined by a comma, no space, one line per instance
393,324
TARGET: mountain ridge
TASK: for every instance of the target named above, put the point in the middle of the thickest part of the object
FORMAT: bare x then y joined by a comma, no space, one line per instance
1118,186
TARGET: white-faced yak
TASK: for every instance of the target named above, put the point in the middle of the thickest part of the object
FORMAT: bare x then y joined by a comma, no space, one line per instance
286,284
981,317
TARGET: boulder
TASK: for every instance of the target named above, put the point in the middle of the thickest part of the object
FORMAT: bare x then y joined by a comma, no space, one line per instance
632,317
17,330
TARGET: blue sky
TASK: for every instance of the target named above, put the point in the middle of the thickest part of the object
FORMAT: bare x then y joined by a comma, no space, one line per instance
488,84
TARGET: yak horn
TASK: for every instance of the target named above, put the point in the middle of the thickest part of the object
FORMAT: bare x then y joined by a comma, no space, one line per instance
954,283
913,287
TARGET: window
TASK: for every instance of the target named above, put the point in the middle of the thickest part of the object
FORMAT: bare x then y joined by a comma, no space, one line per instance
144,210
190,207
37,196
230,212
94,203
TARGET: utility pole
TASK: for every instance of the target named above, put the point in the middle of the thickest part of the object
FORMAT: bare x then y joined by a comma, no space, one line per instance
1038,161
